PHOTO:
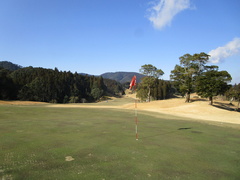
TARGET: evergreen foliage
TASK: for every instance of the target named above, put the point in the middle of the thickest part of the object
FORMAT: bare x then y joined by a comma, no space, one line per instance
7,87
151,87
152,74
192,75
212,83
114,87
161,90
184,75
234,94
47,85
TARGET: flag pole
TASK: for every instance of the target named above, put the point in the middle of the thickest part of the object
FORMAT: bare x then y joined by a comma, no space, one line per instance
136,119
133,83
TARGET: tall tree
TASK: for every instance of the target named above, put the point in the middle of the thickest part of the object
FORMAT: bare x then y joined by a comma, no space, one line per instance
212,83
160,91
184,75
234,94
96,90
151,73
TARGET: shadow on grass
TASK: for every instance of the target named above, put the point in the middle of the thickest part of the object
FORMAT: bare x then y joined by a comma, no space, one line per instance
198,99
225,106
184,128
171,132
220,105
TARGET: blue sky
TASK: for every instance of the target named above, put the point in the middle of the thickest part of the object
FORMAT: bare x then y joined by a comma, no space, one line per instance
98,36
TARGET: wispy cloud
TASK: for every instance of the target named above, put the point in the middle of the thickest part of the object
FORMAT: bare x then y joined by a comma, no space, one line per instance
163,11
221,53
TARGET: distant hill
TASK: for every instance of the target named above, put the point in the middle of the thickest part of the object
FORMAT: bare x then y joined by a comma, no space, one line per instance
10,66
122,77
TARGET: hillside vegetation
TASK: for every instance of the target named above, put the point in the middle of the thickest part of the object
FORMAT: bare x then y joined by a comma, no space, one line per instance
122,77
9,65
48,85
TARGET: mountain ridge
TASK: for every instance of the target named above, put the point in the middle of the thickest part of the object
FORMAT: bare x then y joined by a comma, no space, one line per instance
119,76
9,65
122,76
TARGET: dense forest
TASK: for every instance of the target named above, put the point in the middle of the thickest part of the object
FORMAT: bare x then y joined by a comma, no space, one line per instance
161,90
48,85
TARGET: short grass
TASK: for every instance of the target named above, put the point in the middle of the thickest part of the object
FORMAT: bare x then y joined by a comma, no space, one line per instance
34,141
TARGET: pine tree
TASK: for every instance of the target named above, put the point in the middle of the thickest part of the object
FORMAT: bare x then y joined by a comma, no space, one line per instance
212,83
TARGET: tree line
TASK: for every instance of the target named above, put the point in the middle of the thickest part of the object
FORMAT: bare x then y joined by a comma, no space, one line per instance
161,90
191,75
48,85
233,94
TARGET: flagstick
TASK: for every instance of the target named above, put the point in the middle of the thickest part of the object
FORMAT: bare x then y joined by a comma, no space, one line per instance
133,83
136,119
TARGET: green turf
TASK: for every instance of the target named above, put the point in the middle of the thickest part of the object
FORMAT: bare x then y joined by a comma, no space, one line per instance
34,141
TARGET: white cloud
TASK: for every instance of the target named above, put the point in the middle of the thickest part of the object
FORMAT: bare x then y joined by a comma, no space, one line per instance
162,12
221,53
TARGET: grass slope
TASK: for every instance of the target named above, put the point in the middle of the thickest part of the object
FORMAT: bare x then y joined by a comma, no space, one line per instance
35,140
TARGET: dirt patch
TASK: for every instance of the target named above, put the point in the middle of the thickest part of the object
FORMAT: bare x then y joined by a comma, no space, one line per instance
69,158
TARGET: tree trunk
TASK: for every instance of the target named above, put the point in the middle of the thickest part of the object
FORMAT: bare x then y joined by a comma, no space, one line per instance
231,100
211,100
238,106
149,92
187,97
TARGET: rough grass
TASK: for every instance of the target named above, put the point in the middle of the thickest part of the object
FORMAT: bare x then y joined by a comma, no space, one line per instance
35,140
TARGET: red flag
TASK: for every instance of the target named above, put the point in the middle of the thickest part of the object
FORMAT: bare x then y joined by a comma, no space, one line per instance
133,82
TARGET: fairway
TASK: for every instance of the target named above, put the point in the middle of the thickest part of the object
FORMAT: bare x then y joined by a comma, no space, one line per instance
38,142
